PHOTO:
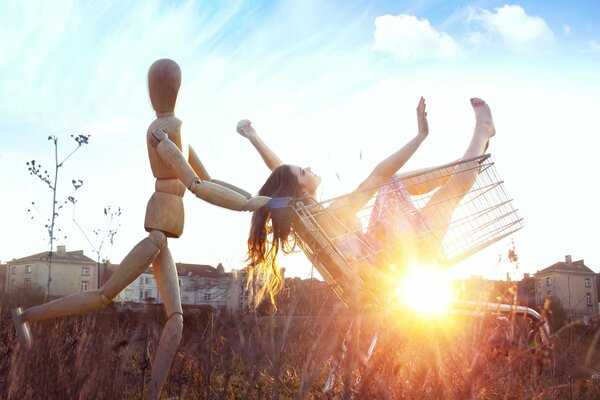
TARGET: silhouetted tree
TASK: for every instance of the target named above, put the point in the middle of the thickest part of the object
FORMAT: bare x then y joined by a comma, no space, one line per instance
37,170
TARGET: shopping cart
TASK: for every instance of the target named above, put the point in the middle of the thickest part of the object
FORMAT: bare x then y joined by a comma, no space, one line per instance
357,259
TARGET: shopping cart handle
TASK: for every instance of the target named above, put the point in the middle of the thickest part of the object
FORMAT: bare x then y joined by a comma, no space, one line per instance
279,202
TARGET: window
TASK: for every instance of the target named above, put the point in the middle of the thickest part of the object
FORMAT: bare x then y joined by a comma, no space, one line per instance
145,293
206,296
85,271
145,280
27,283
84,285
28,269
12,283
588,298
548,281
588,282
13,271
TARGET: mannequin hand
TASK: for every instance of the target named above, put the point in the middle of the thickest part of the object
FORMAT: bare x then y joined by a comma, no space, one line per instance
158,135
422,123
256,202
244,128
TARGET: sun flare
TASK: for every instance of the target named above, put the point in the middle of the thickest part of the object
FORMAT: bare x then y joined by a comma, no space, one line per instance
426,290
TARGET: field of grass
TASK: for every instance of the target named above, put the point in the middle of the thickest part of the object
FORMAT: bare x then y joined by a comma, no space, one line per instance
107,355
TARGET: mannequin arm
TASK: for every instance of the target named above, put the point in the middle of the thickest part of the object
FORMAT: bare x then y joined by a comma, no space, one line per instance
208,191
197,166
244,128
173,157
222,196
232,187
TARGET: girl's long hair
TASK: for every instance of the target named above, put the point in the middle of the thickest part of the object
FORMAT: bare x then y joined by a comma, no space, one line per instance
270,231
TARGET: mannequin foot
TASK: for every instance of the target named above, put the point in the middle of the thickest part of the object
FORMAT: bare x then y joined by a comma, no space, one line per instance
483,118
23,332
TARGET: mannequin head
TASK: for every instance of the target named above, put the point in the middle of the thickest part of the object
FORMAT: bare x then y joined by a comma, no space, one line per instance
164,80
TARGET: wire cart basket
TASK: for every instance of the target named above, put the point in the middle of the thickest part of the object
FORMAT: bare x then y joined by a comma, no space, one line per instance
351,261
484,216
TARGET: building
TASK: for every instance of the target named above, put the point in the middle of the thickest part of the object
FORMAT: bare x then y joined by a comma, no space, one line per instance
72,272
573,284
142,290
199,285
526,291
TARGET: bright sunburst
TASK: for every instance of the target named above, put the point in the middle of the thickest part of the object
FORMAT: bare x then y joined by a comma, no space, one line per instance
426,290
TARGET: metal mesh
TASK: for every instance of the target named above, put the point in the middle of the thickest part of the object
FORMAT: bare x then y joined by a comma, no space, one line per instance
444,225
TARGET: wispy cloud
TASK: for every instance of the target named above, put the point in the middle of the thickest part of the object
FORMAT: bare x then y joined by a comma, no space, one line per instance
410,39
511,24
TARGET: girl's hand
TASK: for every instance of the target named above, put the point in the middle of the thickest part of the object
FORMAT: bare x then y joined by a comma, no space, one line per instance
422,124
244,128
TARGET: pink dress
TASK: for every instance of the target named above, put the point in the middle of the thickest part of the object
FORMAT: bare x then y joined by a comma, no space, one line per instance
395,231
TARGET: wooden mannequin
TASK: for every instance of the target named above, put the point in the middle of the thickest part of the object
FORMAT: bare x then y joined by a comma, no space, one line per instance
164,219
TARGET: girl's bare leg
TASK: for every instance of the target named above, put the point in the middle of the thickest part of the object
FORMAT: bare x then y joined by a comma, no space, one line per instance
439,208
136,262
167,281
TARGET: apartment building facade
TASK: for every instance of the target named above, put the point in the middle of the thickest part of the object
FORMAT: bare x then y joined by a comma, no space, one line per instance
199,285
573,284
72,272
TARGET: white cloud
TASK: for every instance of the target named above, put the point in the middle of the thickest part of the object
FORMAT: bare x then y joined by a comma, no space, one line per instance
591,47
410,39
566,30
477,39
519,31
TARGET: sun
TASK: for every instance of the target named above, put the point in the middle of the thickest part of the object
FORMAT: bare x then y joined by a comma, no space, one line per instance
426,290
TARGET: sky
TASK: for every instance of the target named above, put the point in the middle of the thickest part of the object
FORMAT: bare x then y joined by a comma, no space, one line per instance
327,84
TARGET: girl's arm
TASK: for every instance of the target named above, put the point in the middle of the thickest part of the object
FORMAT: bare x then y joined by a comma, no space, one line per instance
384,171
244,128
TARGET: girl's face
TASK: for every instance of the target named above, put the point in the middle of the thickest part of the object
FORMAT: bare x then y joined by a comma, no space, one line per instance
307,179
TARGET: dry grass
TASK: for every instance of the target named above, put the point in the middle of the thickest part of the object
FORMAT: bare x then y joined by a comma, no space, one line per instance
105,355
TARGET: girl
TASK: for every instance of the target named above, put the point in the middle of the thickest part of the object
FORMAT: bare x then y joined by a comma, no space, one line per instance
271,228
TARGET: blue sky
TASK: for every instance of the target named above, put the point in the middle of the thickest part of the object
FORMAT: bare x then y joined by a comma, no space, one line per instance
323,82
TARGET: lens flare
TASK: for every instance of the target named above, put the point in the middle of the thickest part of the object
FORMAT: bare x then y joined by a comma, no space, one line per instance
426,290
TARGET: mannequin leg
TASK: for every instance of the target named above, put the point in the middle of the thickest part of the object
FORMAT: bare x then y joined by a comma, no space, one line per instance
167,281
439,208
136,262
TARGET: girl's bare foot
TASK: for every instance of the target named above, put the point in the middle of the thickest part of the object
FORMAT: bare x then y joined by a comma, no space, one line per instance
483,117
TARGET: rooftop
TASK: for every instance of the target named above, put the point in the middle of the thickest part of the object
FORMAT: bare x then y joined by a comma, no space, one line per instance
60,255
567,266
